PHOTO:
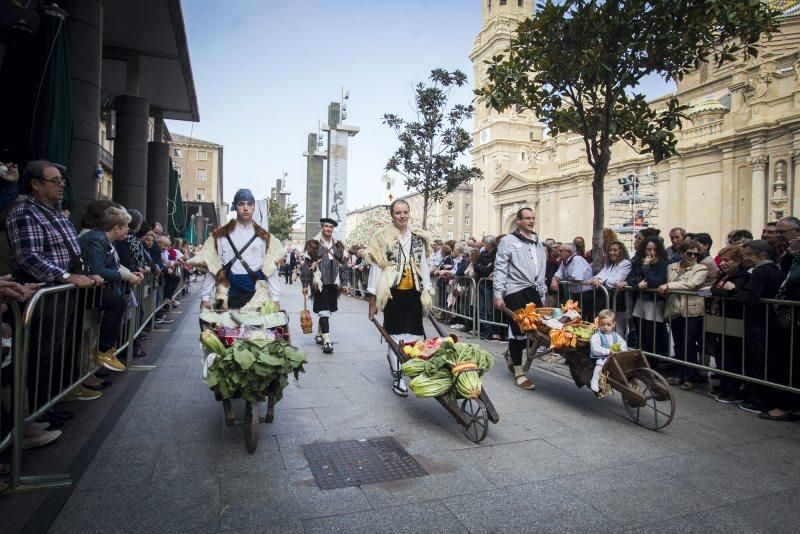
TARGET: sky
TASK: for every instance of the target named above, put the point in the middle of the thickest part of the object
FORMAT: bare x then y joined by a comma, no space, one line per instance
266,70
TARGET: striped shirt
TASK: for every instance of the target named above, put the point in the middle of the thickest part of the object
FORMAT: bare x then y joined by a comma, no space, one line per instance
43,240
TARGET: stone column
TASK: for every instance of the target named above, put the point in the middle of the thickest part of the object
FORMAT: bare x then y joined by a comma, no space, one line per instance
85,25
758,213
130,153
158,183
314,194
729,180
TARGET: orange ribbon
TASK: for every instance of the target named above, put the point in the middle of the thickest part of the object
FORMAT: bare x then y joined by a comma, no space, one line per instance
571,305
560,339
527,318
466,366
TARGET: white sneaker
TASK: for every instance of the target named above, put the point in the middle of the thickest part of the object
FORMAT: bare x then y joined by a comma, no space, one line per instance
42,439
400,388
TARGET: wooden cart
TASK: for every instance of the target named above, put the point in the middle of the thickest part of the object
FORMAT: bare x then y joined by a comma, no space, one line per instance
646,395
250,420
472,414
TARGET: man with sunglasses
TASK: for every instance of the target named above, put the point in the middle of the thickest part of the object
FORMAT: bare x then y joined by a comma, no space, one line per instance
43,241
324,276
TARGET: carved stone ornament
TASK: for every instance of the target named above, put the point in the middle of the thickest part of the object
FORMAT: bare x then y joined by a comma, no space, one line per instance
758,163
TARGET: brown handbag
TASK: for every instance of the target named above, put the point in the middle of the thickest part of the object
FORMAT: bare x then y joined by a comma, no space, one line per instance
306,323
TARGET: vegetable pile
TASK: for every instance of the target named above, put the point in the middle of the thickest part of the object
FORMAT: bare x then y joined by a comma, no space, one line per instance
439,366
252,368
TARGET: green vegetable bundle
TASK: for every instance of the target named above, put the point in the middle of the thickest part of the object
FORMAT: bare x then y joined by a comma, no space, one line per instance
425,386
460,365
255,368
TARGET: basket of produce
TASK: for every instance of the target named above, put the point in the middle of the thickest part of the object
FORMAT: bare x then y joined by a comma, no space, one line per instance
252,369
582,331
444,366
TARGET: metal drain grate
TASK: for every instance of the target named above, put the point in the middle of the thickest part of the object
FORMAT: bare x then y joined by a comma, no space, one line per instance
340,464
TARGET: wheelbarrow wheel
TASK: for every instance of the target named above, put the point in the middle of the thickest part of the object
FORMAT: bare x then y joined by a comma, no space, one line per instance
251,425
658,408
475,412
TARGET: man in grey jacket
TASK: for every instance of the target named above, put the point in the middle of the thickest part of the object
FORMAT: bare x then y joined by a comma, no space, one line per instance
519,279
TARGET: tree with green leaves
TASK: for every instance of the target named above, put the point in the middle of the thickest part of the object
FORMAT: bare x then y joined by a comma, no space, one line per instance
431,145
281,220
577,64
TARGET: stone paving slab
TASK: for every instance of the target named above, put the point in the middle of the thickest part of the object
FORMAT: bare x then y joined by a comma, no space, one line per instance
558,461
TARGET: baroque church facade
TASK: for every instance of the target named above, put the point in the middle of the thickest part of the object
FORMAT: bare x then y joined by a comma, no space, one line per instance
739,162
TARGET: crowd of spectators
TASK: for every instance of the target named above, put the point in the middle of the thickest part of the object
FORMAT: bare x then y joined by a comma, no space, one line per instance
112,250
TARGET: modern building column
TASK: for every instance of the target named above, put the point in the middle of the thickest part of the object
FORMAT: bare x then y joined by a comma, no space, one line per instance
158,183
130,153
758,213
314,169
85,25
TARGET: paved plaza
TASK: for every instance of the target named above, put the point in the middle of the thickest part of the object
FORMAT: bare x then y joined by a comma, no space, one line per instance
559,460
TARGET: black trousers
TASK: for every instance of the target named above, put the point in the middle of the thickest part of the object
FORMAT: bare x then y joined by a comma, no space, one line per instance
515,301
113,306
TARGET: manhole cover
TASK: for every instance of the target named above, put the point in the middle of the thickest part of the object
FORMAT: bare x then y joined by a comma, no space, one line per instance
340,464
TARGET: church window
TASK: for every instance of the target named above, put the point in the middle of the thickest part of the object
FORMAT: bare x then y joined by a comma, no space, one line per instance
200,193
503,2
450,219
466,208
466,221
489,7
483,159
522,156
449,236
201,175
519,3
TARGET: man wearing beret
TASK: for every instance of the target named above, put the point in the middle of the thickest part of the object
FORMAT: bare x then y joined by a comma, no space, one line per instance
322,274
241,261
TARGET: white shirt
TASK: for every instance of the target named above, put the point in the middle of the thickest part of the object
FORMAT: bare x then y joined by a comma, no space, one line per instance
253,255
612,274
405,243
597,349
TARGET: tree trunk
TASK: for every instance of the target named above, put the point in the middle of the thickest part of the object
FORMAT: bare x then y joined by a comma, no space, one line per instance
598,218
425,196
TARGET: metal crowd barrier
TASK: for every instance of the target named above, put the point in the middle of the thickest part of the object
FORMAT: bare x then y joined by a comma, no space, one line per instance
489,319
727,331
54,348
358,281
591,301
456,297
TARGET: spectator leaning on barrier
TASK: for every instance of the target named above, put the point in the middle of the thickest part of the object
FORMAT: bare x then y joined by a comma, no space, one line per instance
436,255
785,406
519,273
733,278
615,271
676,237
575,269
130,249
704,243
787,229
96,243
32,434
685,312
765,280
482,269
43,240
45,249
648,272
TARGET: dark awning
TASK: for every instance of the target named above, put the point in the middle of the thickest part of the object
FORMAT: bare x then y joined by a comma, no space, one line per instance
153,31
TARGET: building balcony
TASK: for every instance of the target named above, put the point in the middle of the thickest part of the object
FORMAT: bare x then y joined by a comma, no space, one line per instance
106,159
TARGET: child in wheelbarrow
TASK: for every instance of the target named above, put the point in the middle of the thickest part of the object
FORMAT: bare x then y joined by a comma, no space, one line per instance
603,343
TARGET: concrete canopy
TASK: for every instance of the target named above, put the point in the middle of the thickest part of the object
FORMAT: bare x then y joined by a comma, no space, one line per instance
151,32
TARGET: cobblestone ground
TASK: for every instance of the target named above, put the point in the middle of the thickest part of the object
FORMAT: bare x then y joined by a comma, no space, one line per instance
558,460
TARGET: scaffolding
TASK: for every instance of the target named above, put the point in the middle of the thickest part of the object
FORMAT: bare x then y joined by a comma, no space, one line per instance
635,206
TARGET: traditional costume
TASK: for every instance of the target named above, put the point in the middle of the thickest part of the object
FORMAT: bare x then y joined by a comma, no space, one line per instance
323,270
400,280
241,264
